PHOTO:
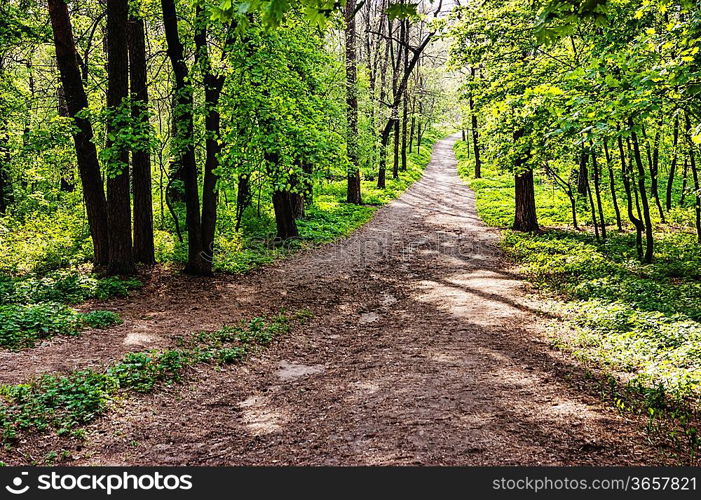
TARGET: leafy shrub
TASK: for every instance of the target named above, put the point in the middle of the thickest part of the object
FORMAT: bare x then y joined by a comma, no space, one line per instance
65,286
101,319
24,325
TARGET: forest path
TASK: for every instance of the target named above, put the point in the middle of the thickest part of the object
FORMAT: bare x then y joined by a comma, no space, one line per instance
424,349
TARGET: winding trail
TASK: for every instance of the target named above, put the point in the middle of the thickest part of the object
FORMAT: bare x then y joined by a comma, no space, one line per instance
424,349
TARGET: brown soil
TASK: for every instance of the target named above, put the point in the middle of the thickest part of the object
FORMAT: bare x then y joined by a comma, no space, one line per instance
424,349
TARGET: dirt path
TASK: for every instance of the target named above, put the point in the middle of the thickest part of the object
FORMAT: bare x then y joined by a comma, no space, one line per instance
424,350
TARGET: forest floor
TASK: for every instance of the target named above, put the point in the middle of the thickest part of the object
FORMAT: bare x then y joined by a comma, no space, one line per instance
424,348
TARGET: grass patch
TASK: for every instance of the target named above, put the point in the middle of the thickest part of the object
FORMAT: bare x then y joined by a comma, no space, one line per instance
34,308
641,321
65,286
64,403
24,325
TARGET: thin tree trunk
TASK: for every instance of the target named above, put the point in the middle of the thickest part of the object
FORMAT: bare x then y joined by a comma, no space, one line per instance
637,223
583,174
673,164
475,131
592,207
243,197
412,127
695,176
612,187
140,155
685,172
649,242
353,193
597,189
653,162
5,158
212,92
86,153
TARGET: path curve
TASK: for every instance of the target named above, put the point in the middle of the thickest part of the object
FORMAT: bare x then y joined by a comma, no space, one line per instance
424,349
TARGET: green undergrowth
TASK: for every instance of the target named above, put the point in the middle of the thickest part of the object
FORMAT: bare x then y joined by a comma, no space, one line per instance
639,322
24,325
63,403
34,308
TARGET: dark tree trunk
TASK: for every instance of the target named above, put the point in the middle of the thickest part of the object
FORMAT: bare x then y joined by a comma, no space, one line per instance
597,189
695,176
353,194
395,148
213,88
405,126
140,155
384,141
637,223
5,185
86,154
405,96
284,215
685,172
592,208
412,126
673,165
475,131
525,217
121,260
612,187
583,174
653,163
197,261
649,242
298,205
243,197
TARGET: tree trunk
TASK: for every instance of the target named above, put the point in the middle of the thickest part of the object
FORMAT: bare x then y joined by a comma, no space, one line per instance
213,87
695,176
197,261
5,186
86,154
637,223
121,257
685,172
592,207
612,187
243,197
140,154
475,131
405,126
653,162
353,194
284,215
649,242
525,217
597,189
412,126
583,174
673,165
384,141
